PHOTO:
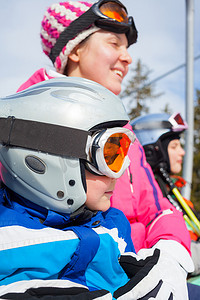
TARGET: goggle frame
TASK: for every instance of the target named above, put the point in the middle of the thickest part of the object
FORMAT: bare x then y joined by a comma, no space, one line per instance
96,160
174,119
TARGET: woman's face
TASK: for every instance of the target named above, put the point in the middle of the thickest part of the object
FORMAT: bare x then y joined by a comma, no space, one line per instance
104,58
176,153
99,191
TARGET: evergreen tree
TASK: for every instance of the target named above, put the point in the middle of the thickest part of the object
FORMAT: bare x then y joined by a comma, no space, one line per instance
138,89
167,109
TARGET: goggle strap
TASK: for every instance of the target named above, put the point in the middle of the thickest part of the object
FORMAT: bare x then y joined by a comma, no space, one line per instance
44,137
132,34
152,125
105,24
84,21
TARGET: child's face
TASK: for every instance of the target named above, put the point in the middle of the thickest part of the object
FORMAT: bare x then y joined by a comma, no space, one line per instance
176,153
99,191
104,58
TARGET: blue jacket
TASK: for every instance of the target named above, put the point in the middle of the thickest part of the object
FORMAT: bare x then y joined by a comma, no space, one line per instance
45,246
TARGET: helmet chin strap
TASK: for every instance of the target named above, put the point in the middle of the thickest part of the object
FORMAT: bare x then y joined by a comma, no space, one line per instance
82,214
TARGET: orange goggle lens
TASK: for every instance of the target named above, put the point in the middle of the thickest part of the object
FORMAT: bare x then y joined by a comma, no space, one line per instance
115,150
114,11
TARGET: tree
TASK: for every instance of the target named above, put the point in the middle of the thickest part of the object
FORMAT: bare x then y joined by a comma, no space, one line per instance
167,109
195,192
138,89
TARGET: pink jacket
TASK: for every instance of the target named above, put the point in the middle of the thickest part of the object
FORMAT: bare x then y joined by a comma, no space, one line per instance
38,76
151,216
138,195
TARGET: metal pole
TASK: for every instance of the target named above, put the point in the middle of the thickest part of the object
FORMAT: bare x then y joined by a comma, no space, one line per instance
189,142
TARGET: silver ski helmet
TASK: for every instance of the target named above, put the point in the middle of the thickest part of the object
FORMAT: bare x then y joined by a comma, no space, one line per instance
45,132
155,131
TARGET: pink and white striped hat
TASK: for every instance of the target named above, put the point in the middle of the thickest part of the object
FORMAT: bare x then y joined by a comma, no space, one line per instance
56,19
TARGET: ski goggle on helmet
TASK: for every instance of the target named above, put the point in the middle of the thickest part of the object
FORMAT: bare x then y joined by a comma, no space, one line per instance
108,15
107,154
153,131
177,122
51,132
151,127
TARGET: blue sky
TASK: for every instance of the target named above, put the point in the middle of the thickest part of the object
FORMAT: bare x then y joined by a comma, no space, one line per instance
161,44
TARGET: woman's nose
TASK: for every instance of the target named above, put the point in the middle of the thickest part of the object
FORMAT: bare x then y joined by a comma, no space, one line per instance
125,56
182,151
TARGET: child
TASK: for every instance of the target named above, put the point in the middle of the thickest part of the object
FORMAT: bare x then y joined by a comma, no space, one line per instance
91,41
61,152
160,136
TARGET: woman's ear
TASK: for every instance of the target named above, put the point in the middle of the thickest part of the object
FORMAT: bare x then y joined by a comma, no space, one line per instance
74,55
73,62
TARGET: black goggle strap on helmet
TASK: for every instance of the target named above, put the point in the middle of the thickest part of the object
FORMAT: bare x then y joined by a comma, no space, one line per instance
44,137
108,15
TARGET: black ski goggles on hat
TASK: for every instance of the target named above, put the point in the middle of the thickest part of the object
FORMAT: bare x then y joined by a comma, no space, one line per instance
108,15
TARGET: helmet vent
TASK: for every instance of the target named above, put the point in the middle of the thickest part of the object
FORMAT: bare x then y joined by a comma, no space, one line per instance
60,194
72,182
35,164
70,202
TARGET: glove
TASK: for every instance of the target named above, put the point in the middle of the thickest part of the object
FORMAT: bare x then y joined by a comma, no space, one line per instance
156,273
144,282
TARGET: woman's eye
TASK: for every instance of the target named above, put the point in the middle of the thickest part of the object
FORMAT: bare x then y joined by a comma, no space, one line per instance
174,146
114,42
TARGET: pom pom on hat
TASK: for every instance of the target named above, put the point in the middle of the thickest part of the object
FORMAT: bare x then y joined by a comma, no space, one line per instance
57,17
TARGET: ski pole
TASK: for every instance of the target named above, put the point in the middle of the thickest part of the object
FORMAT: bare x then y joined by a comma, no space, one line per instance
189,222
187,209
181,200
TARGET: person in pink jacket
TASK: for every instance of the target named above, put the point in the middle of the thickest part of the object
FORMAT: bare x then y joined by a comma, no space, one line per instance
90,41
151,217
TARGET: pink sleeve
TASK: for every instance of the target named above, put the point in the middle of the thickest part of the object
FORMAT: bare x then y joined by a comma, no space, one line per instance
151,216
38,76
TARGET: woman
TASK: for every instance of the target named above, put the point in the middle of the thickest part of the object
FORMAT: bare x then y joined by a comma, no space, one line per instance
160,136
91,41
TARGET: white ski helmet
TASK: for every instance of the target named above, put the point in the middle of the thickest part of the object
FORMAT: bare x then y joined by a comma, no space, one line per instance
45,133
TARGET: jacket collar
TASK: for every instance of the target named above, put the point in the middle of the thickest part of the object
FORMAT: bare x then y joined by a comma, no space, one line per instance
46,217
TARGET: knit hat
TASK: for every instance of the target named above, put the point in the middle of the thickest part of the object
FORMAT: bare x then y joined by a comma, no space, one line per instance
57,17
